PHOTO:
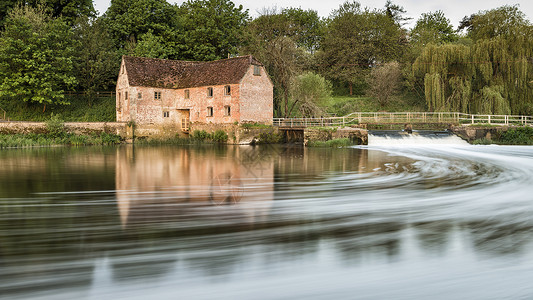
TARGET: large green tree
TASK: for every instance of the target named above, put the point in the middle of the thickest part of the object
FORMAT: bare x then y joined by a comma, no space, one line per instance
307,91
433,27
97,60
213,29
36,57
356,39
283,41
69,10
128,20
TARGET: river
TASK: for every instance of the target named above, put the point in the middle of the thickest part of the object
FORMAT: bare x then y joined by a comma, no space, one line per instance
387,221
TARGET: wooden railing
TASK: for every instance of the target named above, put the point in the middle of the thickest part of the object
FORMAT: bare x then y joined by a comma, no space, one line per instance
103,94
405,117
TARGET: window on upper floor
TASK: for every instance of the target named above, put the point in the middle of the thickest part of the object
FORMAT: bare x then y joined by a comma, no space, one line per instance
139,96
126,95
187,94
257,70
157,95
227,90
209,92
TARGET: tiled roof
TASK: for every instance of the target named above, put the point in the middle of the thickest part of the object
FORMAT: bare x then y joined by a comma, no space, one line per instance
177,74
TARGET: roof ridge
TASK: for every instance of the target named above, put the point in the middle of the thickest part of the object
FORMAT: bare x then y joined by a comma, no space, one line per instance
167,73
249,56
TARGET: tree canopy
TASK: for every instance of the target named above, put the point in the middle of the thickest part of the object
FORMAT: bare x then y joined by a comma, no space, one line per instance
491,76
36,56
356,39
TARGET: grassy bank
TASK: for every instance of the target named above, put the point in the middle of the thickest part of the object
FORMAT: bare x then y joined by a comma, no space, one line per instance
39,140
81,109
343,105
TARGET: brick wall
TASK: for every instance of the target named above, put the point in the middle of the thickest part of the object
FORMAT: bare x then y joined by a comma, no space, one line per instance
249,101
257,96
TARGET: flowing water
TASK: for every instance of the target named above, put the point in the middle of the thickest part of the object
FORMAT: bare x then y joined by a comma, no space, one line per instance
394,220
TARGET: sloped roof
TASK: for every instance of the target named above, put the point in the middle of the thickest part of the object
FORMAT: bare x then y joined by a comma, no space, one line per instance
177,74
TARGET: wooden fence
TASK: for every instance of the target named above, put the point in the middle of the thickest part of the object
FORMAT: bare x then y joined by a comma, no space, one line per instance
404,118
96,94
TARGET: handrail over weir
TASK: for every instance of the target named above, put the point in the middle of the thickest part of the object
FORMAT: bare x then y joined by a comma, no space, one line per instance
405,117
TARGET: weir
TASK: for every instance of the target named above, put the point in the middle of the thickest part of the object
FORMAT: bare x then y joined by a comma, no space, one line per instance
422,137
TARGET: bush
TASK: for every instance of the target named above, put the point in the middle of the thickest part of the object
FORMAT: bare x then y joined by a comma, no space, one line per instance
269,138
220,136
200,135
517,136
55,126
334,143
482,141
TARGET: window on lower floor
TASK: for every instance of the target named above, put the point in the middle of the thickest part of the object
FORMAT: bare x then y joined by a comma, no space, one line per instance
166,114
227,110
209,111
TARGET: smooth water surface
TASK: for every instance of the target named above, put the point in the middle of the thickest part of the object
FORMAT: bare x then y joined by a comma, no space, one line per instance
243,222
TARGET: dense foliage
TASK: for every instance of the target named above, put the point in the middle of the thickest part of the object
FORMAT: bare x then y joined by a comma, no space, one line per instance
49,47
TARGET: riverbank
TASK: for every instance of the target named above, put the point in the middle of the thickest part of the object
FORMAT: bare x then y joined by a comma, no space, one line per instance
57,132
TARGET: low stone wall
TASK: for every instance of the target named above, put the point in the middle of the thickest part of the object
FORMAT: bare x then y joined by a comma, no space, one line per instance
237,134
471,133
358,136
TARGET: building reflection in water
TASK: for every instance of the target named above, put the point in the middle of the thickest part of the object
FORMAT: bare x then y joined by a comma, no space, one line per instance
223,213
153,183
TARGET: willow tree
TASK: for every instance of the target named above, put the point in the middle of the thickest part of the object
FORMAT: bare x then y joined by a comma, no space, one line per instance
492,76
447,76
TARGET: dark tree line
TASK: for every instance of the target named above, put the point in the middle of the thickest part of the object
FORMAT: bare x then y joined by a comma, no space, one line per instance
48,47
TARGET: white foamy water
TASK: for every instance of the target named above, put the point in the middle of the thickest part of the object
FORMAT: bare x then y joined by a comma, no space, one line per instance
413,139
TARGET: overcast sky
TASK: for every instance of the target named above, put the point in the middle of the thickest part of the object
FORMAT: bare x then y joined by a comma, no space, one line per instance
455,10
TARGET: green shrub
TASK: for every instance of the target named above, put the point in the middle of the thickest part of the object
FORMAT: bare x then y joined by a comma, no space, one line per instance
517,136
200,135
482,141
269,138
55,126
220,136
334,143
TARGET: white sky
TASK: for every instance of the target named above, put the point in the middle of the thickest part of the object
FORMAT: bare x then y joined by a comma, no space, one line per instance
455,10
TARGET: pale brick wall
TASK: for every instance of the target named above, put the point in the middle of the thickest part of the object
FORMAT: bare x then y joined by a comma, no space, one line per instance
257,96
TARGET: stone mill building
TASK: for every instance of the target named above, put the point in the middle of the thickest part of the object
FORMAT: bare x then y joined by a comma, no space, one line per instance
172,92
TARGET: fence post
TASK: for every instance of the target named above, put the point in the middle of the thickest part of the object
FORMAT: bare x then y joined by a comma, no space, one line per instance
342,121
472,119
490,123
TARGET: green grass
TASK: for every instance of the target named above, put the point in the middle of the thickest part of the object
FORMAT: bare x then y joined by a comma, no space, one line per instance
39,140
80,110
255,125
343,105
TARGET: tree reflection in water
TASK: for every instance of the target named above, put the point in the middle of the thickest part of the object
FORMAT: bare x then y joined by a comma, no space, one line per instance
101,221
